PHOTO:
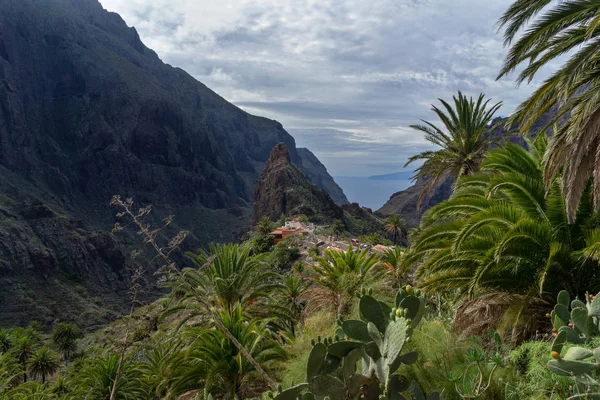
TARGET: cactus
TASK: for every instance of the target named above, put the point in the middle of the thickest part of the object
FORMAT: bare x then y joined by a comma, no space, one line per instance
578,326
377,341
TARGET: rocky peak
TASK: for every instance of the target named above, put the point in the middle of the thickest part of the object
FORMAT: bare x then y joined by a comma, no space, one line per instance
283,189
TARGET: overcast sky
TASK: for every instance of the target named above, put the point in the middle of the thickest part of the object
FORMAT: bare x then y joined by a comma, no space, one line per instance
345,77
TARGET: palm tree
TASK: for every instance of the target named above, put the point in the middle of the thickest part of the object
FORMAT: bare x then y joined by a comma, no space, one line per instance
64,337
24,341
344,271
95,380
574,90
5,342
392,260
163,365
217,365
338,228
395,225
466,139
265,225
499,232
289,305
230,275
42,363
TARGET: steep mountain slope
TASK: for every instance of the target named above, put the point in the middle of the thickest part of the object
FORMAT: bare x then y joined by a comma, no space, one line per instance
283,189
86,112
316,172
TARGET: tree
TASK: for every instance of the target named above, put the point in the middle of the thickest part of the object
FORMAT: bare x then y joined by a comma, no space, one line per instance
265,226
217,365
499,232
5,343
289,307
395,225
341,271
392,260
64,337
164,367
281,220
574,90
24,342
42,363
466,139
230,275
338,228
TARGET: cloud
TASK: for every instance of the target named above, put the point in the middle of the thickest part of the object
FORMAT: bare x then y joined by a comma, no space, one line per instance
345,78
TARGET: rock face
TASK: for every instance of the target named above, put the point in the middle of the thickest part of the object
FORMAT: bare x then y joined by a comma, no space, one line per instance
283,189
316,173
87,111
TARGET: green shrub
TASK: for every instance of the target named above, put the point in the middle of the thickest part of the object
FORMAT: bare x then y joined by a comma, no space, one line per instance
533,380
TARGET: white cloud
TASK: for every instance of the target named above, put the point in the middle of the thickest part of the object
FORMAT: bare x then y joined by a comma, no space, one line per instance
356,73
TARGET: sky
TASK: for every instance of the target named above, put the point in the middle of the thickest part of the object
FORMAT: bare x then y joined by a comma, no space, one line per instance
345,77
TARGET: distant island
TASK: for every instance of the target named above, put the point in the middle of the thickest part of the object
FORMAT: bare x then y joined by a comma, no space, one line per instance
395,176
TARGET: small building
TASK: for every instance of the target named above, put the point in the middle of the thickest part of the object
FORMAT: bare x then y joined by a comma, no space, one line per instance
284,232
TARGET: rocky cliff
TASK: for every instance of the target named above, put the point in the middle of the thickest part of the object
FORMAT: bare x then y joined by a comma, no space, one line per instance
87,111
316,172
284,189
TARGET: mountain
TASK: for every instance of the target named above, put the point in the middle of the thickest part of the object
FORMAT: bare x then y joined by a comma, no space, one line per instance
87,111
316,172
395,176
284,189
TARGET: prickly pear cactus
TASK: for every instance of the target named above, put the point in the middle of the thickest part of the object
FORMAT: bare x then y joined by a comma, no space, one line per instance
362,358
574,321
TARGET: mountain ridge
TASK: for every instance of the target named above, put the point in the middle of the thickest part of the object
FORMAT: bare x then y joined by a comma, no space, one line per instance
87,111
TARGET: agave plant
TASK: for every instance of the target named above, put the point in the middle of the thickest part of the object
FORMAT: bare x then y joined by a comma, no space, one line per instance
500,232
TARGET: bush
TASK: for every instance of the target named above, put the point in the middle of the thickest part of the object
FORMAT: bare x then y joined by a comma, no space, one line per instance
375,239
533,379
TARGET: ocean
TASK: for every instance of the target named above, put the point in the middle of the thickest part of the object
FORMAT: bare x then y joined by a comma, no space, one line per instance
372,193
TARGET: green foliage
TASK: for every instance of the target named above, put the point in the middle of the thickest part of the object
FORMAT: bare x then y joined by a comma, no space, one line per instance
463,145
365,354
229,275
338,228
265,226
64,338
95,380
221,367
539,31
500,232
574,321
281,220
533,379
395,226
284,254
42,363
262,244
341,272
375,238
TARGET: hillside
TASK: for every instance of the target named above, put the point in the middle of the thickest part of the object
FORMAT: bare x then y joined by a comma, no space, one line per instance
87,111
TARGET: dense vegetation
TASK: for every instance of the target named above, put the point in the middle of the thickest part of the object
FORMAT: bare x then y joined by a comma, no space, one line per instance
505,270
